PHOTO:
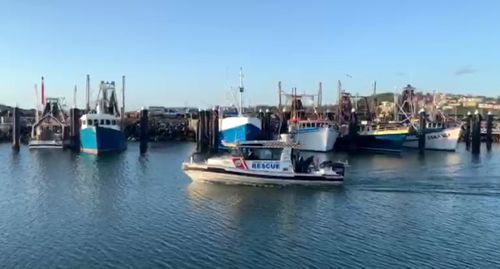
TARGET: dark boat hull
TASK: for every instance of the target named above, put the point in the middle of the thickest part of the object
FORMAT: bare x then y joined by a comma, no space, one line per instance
380,142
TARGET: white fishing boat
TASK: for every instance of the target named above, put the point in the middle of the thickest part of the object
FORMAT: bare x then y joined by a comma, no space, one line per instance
314,135
437,137
263,163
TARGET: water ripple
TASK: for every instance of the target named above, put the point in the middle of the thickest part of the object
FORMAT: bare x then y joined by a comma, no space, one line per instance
65,210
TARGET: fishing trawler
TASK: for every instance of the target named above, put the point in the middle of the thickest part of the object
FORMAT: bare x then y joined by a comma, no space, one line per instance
263,163
50,128
370,134
312,134
240,127
438,136
386,138
441,133
49,131
100,129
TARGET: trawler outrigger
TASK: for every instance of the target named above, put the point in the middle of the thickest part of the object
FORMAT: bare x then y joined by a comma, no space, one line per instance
263,163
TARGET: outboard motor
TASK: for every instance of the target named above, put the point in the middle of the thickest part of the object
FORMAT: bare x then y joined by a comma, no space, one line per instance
339,168
326,164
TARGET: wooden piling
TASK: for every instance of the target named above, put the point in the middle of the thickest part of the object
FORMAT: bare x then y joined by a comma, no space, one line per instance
199,131
468,124
268,133
421,131
143,137
476,133
353,129
214,131
285,117
489,128
329,115
74,129
202,141
16,129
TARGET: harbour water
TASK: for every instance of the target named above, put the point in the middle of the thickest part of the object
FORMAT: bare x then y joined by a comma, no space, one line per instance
66,210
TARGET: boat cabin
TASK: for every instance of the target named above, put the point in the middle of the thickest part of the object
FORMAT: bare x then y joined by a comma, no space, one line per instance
275,156
100,120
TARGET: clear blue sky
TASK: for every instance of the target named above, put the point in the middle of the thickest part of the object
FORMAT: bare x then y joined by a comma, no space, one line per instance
189,52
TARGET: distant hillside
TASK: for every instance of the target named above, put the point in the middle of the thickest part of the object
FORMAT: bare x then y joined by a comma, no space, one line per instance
385,97
25,112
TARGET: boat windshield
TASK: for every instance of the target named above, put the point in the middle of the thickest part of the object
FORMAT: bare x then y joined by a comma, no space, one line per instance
253,153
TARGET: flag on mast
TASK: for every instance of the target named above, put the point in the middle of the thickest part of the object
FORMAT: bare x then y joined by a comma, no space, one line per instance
43,93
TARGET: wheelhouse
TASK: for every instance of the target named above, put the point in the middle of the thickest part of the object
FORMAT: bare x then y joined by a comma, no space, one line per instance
99,120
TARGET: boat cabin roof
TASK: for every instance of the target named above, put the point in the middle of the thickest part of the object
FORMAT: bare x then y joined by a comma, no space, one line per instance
261,144
99,116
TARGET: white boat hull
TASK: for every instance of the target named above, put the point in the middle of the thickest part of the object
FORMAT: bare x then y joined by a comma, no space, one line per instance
318,139
45,144
238,179
446,140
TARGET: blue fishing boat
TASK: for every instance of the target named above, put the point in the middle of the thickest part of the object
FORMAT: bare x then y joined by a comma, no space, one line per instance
100,129
382,140
239,127
375,138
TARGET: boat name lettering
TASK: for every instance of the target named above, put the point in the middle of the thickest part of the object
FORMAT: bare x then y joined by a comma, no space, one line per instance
437,136
266,165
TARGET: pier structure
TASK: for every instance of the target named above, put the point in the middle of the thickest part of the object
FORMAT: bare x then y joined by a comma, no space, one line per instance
207,139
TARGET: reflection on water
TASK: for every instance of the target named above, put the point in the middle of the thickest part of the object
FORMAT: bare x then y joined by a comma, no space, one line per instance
60,209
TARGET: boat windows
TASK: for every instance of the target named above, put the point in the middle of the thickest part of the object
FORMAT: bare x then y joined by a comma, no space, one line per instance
96,122
262,153
82,122
102,122
114,122
108,122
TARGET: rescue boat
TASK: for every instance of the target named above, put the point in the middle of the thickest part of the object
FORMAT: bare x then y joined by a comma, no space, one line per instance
263,163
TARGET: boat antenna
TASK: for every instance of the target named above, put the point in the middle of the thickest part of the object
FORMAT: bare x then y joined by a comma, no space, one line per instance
36,104
242,89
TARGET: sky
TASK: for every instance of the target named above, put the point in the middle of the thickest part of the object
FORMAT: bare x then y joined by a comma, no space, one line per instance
188,53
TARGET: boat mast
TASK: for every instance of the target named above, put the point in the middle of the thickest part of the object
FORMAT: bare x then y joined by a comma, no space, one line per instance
123,103
74,98
339,97
37,107
88,94
279,96
320,95
242,89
